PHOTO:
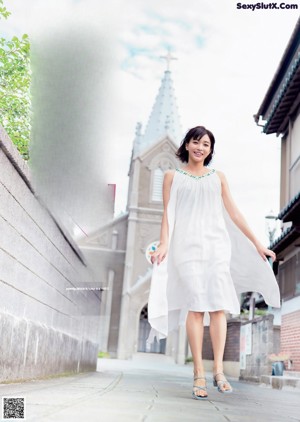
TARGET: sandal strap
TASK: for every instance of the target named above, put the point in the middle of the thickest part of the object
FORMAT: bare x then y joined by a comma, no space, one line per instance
199,378
219,373
198,387
222,382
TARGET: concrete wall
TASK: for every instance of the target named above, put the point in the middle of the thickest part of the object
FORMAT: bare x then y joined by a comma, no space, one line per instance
48,323
257,362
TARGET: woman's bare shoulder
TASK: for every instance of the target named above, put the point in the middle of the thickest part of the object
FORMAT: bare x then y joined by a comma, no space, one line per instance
169,176
221,175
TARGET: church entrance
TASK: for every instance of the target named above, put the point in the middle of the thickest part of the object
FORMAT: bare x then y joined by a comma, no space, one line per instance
144,329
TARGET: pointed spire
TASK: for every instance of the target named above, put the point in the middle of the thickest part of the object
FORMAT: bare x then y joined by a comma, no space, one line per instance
164,118
137,139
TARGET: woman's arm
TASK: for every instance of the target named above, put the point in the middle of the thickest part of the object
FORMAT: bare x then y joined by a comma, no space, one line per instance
162,249
240,221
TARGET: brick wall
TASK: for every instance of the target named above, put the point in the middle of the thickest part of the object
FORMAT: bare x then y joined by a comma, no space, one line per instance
232,346
290,337
207,352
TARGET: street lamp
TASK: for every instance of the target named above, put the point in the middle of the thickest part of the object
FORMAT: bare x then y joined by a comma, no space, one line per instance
271,218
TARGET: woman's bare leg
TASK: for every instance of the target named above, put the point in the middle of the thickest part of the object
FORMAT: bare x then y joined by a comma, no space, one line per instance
194,328
218,331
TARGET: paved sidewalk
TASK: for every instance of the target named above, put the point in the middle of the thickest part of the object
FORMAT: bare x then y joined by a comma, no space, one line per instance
148,388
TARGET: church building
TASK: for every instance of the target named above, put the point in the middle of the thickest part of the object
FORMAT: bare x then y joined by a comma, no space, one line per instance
117,249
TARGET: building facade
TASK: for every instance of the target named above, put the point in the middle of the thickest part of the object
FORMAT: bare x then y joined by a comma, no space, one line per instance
117,250
280,112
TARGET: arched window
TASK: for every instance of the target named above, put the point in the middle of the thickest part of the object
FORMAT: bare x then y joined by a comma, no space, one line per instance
158,166
158,176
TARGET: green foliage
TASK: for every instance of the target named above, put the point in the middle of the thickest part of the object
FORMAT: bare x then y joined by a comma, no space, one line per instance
3,11
257,312
15,76
103,355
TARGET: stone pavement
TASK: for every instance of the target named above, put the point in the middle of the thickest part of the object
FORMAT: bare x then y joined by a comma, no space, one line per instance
148,388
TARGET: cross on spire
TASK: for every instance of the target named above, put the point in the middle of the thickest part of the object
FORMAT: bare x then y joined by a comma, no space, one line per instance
168,59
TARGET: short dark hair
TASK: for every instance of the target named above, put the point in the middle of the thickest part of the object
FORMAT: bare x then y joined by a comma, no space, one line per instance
196,133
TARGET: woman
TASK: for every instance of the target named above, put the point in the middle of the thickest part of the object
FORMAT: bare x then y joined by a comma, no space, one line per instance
209,257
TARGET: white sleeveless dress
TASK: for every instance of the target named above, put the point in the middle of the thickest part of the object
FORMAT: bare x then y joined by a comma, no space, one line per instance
209,261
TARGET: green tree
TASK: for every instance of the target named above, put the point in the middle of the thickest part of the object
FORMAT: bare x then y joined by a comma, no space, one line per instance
15,76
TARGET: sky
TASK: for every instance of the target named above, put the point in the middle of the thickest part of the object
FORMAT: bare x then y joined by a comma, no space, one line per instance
226,60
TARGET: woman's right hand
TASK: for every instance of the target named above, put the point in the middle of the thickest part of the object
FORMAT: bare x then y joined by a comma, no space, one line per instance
159,255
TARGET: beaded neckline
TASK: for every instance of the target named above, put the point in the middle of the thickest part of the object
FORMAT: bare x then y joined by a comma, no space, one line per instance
193,176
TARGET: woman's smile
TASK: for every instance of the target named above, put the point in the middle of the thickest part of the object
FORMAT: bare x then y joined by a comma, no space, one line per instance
199,148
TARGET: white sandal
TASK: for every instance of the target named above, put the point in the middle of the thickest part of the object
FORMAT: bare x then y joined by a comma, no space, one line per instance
198,387
221,384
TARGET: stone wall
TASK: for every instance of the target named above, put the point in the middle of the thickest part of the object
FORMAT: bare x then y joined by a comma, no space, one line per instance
257,362
276,338
48,323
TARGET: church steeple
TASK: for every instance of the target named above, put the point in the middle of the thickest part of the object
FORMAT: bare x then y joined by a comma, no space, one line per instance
164,118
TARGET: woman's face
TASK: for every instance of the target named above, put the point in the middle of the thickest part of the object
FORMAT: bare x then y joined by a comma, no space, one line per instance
198,149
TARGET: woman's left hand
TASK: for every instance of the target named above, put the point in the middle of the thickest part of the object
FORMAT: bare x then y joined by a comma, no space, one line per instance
264,252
